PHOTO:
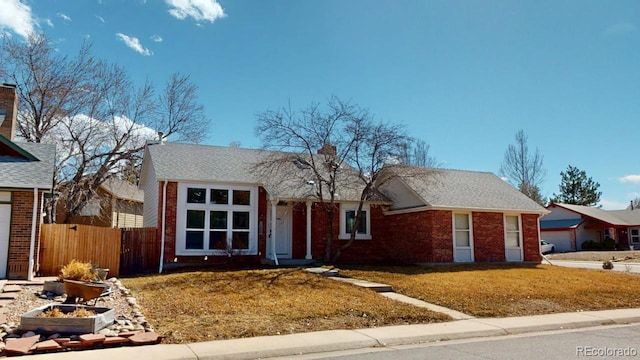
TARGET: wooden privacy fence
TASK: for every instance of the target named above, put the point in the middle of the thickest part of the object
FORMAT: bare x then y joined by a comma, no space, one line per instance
122,251
61,243
140,251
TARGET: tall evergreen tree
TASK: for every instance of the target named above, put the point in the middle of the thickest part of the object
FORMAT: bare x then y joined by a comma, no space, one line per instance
576,188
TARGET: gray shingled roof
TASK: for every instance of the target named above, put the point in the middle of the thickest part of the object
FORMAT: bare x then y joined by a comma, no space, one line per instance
205,163
19,173
609,217
445,188
124,190
613,217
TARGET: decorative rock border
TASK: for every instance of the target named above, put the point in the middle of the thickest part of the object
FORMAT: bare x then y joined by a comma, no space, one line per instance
124,331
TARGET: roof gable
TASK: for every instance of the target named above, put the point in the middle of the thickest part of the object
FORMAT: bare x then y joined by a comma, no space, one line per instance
289,179
10,151
460,189
33,167
593,213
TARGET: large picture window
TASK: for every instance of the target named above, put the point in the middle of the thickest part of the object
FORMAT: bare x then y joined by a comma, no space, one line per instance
348,221
216,220
635,236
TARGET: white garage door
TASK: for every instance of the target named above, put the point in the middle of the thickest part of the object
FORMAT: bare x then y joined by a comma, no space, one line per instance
560,239
5,221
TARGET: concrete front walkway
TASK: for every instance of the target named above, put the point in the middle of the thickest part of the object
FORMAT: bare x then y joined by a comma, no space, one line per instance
387,291
336,340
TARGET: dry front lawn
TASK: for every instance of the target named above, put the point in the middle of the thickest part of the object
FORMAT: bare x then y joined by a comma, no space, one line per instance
202,306
509,290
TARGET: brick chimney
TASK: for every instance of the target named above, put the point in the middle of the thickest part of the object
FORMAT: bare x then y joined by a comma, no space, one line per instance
8,110
327,149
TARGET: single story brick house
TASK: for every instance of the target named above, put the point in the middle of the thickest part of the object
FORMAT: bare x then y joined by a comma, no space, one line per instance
209,203
26,174
568,226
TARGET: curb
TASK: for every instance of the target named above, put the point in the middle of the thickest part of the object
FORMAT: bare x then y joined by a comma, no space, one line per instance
336,340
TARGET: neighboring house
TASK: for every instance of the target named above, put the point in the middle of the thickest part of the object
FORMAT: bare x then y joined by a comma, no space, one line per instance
210,202
117,203
568,226
26,174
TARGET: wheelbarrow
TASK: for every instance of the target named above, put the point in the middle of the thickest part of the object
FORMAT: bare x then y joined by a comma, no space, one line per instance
86,291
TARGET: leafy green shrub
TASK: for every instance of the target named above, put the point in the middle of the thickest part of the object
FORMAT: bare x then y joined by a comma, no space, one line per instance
587,245
596,245
609,244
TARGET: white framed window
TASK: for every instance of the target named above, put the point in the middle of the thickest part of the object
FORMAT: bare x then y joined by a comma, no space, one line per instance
348,220
462,232
463,238
216,220
606,233
513,238
634,236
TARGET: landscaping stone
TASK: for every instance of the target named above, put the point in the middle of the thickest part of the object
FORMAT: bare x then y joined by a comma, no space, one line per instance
3,319
144,338
4,303
128,333
48,345
92,338
115,340
8,296
20,346
11,288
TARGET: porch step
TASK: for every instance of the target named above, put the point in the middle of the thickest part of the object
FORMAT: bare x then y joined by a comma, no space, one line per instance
287,262
366,284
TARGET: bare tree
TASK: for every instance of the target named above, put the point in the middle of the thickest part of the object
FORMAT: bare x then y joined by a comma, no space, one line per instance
99,120
524,169
416,153
339,145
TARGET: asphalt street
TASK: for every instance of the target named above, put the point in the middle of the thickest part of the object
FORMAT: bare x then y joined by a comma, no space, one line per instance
603,342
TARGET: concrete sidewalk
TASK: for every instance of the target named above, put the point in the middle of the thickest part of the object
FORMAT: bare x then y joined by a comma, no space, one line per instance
617,266
335,340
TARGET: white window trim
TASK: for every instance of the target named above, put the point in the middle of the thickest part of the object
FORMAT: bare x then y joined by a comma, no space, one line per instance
344,207
631,236
471,245
520,237
181,218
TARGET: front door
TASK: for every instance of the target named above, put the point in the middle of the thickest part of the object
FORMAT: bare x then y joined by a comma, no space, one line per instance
5,223
513,238
283,232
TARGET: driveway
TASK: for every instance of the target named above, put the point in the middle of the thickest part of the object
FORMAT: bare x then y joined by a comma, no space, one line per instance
617,266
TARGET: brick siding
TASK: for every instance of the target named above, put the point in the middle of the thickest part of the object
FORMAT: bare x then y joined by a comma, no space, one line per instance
20,235
417,237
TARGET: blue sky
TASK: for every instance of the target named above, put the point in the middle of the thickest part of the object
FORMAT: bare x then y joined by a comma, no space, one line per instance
464,76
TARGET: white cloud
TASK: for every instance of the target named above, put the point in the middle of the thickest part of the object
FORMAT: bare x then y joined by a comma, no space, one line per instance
134,44
49,22
620,29
16,16
630,179
100,18
613,204
199,10
63,16
156,38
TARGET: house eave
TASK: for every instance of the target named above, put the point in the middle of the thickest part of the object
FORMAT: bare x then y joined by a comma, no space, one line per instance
467,209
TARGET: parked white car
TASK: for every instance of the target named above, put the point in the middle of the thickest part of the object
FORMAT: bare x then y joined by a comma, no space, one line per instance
546,247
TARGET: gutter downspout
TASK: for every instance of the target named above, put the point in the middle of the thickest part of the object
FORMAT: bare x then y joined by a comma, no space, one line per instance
32,243
539,248
274,220
164,218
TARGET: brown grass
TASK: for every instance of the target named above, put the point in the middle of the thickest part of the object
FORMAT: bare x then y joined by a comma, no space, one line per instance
508,290
202,306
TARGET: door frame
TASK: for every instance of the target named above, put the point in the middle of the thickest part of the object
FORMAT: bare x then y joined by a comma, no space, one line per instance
4,248
289,232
